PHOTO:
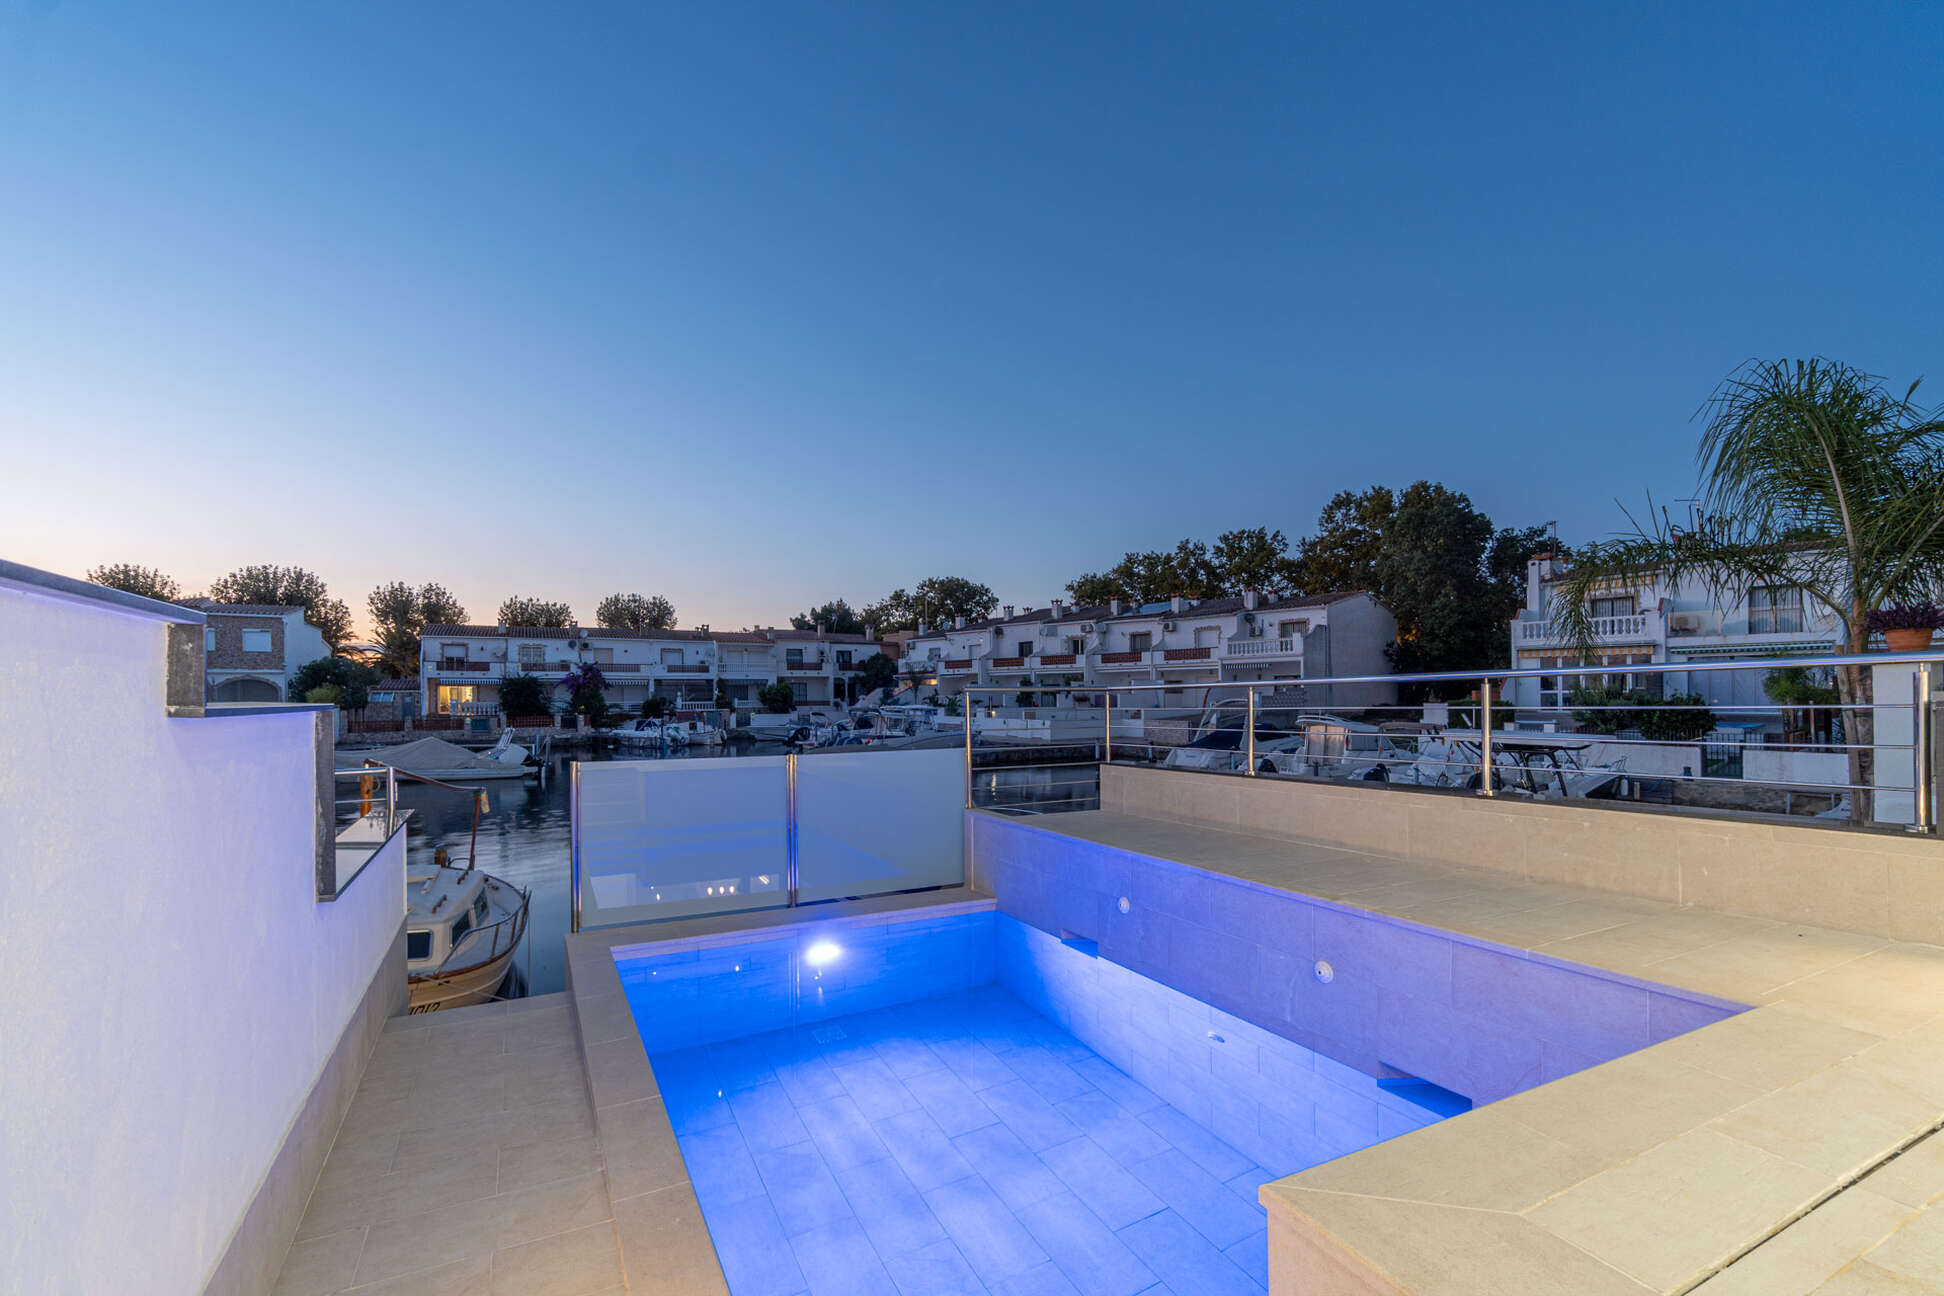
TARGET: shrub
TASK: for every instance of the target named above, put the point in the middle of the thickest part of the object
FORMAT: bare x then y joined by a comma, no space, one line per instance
654,708
1908,616
352,681
326,693
1598,709
1667,721
524,695
776,698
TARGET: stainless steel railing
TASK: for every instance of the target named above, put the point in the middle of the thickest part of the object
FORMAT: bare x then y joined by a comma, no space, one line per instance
1562,743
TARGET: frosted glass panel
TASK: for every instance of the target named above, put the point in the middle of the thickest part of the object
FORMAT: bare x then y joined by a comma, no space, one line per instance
871,822
667,838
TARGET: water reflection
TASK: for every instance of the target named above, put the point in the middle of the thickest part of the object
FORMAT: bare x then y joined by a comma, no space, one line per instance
523,838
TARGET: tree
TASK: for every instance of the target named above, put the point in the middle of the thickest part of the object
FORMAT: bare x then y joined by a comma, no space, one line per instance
654,707
1505,565
637,612
1812,475
149,582
877,672
835,616
584,696
400,614
276,586
776,698
535,613
1430,571
1806,697
1254,558
1090,589
935,600
525,695
352,681
723,701
1343,553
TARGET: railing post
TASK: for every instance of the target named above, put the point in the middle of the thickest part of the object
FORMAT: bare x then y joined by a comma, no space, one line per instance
965,700
1922,754
1107,749
1252,705
1485,737
790,825
573,842
391,800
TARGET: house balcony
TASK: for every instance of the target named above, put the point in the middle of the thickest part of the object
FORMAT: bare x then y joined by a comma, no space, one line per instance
463,666
1008,665
685,668
1245,651
1187,656
1637,628
1120,661
956,666
803,668
1057,661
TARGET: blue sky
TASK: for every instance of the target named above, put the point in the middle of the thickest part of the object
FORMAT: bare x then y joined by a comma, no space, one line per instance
758,304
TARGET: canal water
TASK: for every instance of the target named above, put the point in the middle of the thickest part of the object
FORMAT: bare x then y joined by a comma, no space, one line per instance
523,838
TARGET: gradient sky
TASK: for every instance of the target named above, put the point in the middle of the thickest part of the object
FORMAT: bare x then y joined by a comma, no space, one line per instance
754,305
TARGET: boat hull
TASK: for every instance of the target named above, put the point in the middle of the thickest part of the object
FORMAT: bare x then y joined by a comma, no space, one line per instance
458,989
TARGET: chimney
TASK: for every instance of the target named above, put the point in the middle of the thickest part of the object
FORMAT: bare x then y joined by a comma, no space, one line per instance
958,622
1249,599
1113,607
1059,609
870,631
1175,604
923,628
1008,611
820,629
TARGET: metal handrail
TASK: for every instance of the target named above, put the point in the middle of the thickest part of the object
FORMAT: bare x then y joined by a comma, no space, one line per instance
517,917
1238,693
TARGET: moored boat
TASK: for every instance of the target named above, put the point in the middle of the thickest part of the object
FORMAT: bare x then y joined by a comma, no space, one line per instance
462,926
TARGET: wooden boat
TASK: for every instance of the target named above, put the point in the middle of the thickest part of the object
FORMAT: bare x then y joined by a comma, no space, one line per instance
462,927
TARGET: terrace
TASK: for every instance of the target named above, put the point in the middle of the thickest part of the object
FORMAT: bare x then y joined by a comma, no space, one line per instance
829,1027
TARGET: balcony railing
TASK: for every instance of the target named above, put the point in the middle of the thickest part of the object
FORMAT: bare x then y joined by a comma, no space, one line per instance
1136,658
461,666
686,668
1605,629
1006,663
1060,659
1287,647
956,665
1187,654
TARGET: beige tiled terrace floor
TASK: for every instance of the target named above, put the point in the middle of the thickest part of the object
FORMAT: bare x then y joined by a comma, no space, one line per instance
1787,1150
466,1166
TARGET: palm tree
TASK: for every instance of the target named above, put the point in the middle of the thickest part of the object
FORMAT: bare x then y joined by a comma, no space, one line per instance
1812,475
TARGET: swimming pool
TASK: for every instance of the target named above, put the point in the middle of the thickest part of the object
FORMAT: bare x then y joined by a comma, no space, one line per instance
965,1104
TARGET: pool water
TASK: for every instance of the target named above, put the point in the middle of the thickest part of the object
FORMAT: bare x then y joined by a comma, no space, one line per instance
851,1130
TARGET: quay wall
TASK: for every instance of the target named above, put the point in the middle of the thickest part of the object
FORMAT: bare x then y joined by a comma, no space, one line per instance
185,1021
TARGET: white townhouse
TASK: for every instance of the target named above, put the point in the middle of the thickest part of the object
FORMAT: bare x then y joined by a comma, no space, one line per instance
1648,619
251,651
463,666
1247,637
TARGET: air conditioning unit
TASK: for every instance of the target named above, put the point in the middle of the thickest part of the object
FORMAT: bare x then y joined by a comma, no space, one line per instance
1255,632
1168,627
1685,622
1087,628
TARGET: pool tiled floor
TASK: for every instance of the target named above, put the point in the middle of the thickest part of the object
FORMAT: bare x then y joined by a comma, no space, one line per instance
957,1145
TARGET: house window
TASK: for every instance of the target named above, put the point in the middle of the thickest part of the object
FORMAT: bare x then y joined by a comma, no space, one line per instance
533,654
671,656
793,656
1618,605
1208,636
1075,645
1775,609
1140,641
1025,648
843,657
256,641
209,639
1292,629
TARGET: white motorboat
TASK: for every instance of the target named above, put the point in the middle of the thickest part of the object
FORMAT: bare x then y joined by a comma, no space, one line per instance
437,759
462,927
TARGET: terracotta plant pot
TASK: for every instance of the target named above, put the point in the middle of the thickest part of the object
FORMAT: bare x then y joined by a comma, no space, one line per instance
1908,640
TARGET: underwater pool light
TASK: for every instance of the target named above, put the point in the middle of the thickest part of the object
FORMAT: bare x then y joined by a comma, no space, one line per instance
821,953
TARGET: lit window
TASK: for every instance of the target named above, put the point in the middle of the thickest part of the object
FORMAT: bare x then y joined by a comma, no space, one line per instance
256,641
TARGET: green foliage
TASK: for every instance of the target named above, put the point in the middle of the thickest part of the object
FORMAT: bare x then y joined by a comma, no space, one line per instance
1597,709
836,616
276,586
638,612
1343,553
1023,698
1430,571
1667,722
934,600
536,613
722,699
352,681
525,695
776,698
877,671
1607,710
1245,558
149,582
330,693
1806,697
654,708
952,706
399,614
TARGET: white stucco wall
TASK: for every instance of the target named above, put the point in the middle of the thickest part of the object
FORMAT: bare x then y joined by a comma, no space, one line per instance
173,988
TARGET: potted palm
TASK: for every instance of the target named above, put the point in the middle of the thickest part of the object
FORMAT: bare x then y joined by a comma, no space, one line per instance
1907,627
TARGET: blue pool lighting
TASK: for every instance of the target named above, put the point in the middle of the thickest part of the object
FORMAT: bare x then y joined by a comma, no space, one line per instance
821,953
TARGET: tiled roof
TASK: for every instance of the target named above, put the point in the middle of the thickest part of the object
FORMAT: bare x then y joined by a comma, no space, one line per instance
396,686
1100,611
213,608
557,632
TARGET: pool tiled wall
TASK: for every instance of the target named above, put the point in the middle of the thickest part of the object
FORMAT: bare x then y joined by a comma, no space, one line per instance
1279,1103
1483,1020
